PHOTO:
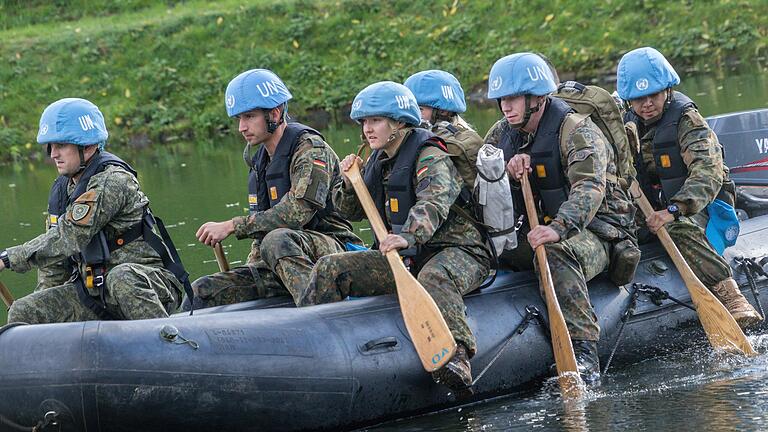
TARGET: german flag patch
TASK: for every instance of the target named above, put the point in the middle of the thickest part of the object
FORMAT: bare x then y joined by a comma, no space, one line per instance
319,163
422,171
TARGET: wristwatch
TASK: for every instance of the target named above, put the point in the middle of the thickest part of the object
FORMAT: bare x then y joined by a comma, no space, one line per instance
5,259
674,210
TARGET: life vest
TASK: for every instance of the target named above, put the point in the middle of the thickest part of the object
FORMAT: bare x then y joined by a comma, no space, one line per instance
400,195
548,180
269,179
95,255
667,155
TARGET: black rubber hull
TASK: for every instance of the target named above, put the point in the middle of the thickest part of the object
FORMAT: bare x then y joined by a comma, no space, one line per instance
332,366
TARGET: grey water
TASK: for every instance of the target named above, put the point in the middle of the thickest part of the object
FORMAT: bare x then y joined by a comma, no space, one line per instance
192,183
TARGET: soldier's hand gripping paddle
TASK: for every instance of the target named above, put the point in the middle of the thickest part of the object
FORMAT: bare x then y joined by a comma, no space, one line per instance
221,258
565,360
722,330
429,332
6,295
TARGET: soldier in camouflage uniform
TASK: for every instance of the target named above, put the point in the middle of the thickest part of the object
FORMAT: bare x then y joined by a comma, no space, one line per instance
441,101
100,226
292,221
414,185
586,213
681,170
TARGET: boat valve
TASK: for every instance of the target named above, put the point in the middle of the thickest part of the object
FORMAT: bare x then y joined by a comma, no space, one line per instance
171,334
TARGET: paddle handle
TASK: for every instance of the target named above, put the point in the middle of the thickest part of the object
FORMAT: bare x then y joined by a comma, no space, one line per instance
6,295
562,347
221,258
371,212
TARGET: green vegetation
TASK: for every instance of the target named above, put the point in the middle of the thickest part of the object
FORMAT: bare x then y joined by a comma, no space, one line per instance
158,70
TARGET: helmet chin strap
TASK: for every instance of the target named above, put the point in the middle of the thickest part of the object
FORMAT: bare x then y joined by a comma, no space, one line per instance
273,125
83,162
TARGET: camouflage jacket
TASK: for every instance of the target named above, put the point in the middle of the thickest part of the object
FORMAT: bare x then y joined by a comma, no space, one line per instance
437,185
593,200
114,202
299,205
702,154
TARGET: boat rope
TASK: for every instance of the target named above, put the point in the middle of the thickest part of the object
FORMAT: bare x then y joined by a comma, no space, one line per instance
656,295
628,313
531,313
49,419
751,269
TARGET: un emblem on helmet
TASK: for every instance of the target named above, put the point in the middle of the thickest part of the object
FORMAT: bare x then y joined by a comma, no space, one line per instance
641,84
44,129
496,83
230,101
358,103
731,233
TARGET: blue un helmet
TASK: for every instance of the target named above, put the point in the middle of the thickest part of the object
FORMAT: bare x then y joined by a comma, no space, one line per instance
642,72
437,89
72,121
521,74
386,99
257,89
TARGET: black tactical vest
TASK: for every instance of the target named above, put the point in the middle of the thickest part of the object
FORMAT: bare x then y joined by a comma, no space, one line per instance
667,155
548,181
400,193
270,178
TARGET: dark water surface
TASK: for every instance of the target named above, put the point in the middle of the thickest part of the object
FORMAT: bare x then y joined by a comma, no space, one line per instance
190,184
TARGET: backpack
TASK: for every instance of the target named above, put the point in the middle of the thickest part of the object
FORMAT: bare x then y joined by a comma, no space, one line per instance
463,145
603,111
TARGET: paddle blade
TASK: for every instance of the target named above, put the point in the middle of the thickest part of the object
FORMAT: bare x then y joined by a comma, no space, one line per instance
721,328
425,324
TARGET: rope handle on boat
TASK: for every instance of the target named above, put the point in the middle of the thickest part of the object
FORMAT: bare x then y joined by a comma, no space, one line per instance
531,313
751,268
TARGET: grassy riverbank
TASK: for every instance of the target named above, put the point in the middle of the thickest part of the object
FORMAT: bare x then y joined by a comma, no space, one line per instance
158,69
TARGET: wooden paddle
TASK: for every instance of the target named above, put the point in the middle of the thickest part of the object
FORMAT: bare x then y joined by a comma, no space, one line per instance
721,329
565,359
429,332
6,295
221,258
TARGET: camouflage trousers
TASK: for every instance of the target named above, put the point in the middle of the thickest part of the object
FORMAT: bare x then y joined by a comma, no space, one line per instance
280,263
689,235
573,262
447,276
131,291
